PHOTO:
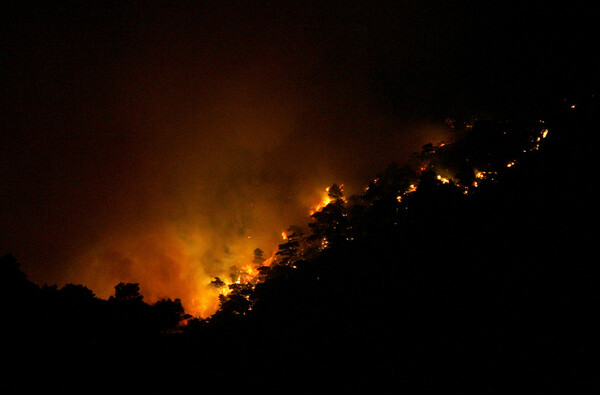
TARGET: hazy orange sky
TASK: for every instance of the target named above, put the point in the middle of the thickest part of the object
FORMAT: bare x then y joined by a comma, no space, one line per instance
163,143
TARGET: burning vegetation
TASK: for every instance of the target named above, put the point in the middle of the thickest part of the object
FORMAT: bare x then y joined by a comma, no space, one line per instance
481,154
443,265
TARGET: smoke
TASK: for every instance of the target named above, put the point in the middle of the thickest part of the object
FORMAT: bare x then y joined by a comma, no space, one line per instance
177,142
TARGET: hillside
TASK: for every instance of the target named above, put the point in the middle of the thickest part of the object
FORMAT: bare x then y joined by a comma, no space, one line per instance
468,270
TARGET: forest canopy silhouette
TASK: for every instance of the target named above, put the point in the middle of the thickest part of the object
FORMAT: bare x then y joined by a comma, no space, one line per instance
160,144
298,197
464,269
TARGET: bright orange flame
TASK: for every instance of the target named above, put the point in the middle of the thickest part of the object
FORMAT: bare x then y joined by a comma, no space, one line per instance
250,272
270,259
325,200
444,180
284,236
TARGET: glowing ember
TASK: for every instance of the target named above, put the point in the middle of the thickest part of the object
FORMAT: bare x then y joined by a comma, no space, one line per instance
443,179
412,188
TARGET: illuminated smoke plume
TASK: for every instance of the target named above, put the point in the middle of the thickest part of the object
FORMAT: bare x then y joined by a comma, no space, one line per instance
183,142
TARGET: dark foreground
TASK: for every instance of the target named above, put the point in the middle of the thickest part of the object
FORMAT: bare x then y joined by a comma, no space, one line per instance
492,292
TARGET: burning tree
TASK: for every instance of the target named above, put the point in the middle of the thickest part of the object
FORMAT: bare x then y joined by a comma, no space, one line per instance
331,223
294,246
259,258
399,198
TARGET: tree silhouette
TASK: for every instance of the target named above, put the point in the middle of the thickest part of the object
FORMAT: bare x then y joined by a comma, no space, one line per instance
421,285
77,292
12,279
168,314
218,283
235,304
294,246
128,292
259,258
330,225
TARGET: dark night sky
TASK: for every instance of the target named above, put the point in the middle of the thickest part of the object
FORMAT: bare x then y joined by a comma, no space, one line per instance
146,141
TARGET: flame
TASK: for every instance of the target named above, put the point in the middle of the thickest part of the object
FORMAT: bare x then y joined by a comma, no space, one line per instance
250,273
270,259
411,188
224,291
325,200
444,180
185,251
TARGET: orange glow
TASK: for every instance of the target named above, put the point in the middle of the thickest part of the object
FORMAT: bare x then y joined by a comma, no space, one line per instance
209,151
249,274
270,259
176,262
444,180
175,233
325,200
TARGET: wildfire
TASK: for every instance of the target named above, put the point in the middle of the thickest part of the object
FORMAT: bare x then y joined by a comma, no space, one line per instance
412,188
248,274
325,200
536,142
444,180
251,274
270,259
